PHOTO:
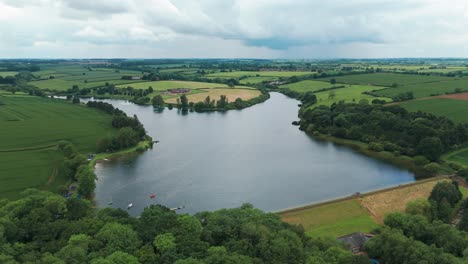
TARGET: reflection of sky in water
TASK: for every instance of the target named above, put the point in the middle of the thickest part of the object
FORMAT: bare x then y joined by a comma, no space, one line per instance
214,160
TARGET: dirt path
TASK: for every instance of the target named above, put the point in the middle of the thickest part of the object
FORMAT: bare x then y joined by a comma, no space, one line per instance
54,173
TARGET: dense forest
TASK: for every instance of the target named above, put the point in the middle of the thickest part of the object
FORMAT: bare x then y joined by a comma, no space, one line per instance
387,128
45,228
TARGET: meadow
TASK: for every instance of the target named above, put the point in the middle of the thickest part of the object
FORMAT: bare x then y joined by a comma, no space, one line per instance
164,85
349,94
237,74
332,220
8,73
387,79
231,93
345,216
31,129
451,108
308,86
459,157
426,89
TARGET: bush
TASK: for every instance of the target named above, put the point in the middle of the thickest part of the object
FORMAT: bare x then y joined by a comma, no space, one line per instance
463,173
377,147
421,160
432,167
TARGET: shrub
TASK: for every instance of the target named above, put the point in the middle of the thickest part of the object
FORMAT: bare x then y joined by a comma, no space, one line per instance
374,146
421,160
432,167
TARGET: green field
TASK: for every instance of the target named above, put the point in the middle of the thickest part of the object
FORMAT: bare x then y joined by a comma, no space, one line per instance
426,89
8,73
237,74
164,85
63,85
349,94
31,128
334,219
254,80
451,108
387,79
308,86
459,157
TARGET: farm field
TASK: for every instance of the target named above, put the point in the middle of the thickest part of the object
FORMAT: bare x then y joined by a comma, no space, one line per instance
8,73
451,108
308,86
346,216
387,79
351,93
254,80
164,85
231,93
63,85
31,128
237,74
426,89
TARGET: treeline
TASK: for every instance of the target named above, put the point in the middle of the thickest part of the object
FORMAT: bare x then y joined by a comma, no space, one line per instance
46,228
76,168
210,104
131,130
387,128
424,234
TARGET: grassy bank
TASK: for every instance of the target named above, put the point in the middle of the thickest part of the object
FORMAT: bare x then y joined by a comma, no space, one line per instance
360,213
140,147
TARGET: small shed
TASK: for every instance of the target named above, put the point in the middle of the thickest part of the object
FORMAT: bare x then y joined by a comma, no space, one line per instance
355,241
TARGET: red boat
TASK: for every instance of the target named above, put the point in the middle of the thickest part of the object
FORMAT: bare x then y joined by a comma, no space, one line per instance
152,196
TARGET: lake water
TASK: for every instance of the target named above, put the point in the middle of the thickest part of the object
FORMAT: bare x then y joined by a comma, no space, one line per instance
208,161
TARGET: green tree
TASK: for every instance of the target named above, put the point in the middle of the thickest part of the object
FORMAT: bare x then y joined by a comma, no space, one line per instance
431,147
157,100
419,206
164,242
117,237
183,101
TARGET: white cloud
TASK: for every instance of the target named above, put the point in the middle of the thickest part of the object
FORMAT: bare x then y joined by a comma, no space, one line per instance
234,28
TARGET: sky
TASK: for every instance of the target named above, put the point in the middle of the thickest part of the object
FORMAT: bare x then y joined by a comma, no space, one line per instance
293,29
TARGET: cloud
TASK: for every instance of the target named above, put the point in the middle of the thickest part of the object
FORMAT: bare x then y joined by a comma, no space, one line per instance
269,28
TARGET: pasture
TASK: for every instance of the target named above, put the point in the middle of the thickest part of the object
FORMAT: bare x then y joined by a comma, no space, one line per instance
308,86
451,108
63,85
8,73
387,79
459,157
231,93
31,128
349,94
164,85
254,80
237,74
426,89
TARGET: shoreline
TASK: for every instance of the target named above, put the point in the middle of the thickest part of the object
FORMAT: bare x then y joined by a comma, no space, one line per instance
139,148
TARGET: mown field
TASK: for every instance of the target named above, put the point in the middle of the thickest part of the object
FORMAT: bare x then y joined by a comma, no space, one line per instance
427,89
387,79
451,108
63,85
343,217
332,220
308,86
31,128
231,93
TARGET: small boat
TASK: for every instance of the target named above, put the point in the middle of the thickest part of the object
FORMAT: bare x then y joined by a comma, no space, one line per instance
130,205
177,208
152,195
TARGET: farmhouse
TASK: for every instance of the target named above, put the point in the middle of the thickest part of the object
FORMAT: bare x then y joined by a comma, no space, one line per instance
355,241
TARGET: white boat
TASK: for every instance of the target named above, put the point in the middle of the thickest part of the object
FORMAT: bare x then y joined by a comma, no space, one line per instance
129,206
